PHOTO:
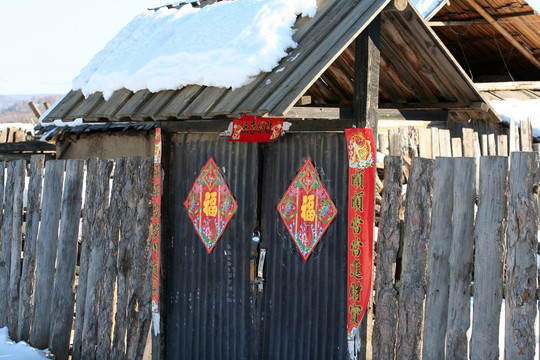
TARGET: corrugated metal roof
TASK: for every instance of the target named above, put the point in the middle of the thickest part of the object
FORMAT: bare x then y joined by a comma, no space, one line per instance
416,72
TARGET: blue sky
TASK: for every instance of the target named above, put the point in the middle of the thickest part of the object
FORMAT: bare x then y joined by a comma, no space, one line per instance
45,43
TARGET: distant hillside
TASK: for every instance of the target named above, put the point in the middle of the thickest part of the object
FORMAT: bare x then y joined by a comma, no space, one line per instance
14,108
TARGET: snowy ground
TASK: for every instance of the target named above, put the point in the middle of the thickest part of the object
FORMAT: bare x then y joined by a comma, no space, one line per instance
18,351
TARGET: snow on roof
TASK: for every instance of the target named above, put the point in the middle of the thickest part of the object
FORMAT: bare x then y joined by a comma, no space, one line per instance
223,45
519,110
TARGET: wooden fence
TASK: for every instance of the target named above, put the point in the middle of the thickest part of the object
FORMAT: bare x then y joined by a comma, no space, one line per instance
436,253
95,247
433,142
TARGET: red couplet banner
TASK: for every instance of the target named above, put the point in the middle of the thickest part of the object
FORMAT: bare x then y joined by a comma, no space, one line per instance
256,129
362,158
156,230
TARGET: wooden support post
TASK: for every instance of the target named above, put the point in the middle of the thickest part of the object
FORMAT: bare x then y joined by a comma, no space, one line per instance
366,98
366,80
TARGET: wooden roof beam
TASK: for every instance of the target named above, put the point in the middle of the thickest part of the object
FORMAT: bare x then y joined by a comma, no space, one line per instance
515,85
477,21
452,106
480,10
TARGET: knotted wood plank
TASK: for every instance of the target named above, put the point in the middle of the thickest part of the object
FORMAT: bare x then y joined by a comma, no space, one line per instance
98,231
413,277
489,238
33,205
125,259
64,291
110,270
461,257
16,244
387,247
140,292
521,250
46,252
438,267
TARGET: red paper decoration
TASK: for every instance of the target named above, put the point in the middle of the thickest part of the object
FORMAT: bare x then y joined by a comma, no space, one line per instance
210,205
307,209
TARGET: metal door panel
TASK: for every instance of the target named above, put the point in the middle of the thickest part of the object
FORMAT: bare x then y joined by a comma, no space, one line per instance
207,298
303,306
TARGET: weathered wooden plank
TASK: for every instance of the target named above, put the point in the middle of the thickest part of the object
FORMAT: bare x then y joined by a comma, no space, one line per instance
16,244
415,242
98,233
435,143
395,145
33,205
382,144
139,296
461,257
46,252
127,239
484,145
468,142
408,141
526,135
492,145
513,137
502,145
476,145
425,143
445,146
366,76
521,250
387,247
489,237
438,270
457,148
5,254
63,297
106,306
89,216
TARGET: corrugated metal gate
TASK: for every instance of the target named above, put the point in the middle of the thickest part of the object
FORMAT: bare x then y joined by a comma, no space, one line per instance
213,309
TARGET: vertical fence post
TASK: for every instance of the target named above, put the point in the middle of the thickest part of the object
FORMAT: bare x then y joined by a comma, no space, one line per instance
33,205
521,250
16,244
63,293
96,261
438,267
413,277
461,258
5,249
489,238
46,252
386,298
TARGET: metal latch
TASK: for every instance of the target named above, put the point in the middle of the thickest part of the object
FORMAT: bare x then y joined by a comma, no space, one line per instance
260,276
